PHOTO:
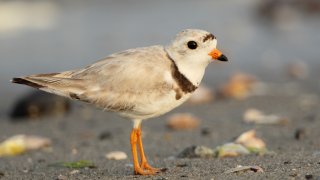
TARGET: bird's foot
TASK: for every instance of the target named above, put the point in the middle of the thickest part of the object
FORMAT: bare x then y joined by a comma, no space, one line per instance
146,166
142,171
145,169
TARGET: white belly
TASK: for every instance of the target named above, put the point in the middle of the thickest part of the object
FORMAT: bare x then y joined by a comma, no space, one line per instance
153,107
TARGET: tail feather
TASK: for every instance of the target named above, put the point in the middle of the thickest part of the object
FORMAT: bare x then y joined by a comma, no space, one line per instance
26,82
55,83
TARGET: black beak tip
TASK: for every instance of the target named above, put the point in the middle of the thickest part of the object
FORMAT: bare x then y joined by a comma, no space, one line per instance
223,58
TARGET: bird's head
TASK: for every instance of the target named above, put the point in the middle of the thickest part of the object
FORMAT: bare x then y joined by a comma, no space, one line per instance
192,50
196,45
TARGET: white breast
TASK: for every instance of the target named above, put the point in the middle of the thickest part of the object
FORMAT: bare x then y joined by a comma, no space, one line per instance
157,103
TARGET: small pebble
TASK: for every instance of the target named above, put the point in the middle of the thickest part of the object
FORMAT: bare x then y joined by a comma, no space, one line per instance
74,172
116,155
196,152
300,133
105,135
36,142
294,174
249,140
164,169
182,165
244,169
41,160
183,121
21,143
1,174
74,151
25,170
62,177
231,150
258,117
205,131
309,176
239,86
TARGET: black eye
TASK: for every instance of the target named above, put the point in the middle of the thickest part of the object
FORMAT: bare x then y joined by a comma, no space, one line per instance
192,45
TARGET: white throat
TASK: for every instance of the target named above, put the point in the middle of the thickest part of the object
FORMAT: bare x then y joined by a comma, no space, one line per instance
194,73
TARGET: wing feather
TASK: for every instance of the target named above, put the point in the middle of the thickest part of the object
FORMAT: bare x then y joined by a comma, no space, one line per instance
127,80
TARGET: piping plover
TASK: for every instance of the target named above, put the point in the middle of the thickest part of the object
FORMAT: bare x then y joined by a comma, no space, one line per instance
138,83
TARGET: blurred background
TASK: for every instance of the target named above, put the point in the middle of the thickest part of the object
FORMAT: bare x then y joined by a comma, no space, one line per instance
260,37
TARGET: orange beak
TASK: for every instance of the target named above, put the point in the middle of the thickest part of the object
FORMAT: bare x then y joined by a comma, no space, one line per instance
216,54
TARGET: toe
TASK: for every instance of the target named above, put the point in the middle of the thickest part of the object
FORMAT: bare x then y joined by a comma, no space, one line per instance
140,171
150,168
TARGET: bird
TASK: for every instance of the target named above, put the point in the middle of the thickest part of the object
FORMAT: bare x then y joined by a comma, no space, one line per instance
139,83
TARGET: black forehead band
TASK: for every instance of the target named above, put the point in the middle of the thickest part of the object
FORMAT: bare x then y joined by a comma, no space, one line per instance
208,36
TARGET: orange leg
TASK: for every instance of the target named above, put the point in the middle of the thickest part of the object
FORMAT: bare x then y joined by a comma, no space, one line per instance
144,164
137,168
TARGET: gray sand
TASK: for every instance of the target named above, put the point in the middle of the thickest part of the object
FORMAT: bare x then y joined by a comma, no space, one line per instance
80,130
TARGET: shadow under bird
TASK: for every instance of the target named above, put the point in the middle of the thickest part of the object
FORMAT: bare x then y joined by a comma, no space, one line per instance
139,83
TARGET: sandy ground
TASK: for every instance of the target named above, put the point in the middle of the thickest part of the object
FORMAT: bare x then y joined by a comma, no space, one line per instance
76,137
